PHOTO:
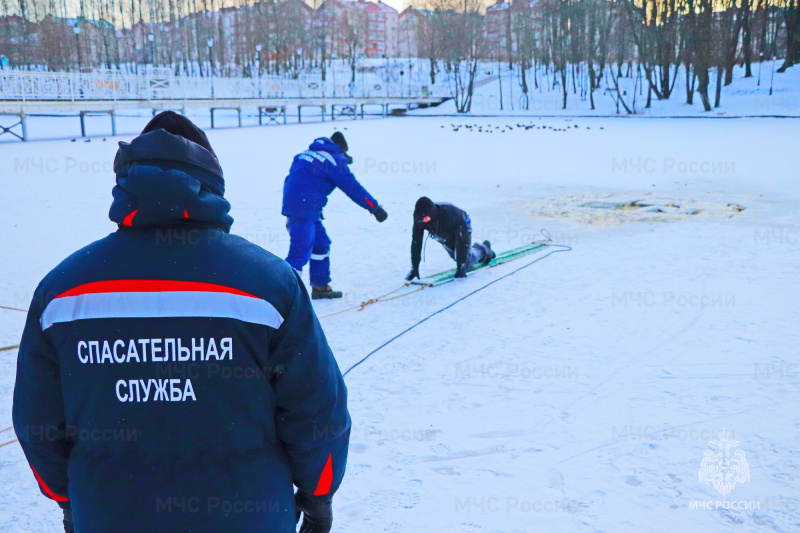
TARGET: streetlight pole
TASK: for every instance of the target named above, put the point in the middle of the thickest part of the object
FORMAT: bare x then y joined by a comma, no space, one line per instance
77,30
363,85
258,68
334,56
151,38
772,78
410,66
210,43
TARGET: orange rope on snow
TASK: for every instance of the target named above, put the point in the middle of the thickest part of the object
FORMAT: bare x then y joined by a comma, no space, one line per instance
382,298
9,442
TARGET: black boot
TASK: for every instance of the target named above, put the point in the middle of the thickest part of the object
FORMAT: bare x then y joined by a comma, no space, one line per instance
324,293
490,255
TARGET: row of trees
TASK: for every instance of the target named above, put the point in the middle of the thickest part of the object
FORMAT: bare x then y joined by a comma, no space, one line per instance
588,44
580,45
192,36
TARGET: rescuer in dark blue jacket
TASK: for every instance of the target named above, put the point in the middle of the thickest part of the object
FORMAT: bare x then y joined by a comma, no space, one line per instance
313,176
173,377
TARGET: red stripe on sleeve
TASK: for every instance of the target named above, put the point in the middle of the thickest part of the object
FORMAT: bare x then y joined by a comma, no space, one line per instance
128,220
370,204
50,494
325,479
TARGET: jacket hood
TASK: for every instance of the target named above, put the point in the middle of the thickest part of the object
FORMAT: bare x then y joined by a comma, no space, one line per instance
164,179
324,144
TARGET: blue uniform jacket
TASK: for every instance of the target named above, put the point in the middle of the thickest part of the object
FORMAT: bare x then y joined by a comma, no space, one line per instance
174,377
314,175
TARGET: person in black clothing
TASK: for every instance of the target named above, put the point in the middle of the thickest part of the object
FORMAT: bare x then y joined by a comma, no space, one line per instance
450,226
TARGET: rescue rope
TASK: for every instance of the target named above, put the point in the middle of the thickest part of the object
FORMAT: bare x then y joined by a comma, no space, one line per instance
382,298
563,249
9,442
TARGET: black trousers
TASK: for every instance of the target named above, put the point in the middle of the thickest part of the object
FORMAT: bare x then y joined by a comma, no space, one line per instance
477,253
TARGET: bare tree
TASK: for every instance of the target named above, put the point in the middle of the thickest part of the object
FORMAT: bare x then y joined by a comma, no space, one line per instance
460,25
791,16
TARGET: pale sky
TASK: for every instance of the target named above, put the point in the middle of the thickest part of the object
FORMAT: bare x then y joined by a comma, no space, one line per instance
399,5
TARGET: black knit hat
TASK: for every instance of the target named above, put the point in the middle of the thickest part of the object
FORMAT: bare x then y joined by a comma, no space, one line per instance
177,124
425,207
339,140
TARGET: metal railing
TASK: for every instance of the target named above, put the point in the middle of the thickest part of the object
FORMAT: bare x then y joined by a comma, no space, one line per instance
161,84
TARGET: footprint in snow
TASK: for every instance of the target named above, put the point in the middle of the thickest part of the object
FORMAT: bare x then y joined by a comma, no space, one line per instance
633,481
731,517
358,448
495,474
390,470
590,503
380,500
403,459
375,418
357,469
446,471
441,449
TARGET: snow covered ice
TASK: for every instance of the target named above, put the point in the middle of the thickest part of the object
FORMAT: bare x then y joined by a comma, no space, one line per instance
579,394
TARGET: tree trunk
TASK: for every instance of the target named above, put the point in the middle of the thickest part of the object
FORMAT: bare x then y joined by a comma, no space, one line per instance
747,47
500,81
702,88
524,81
792,18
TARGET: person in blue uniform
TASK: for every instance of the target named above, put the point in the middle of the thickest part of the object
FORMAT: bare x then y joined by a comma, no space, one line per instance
313,176
174,377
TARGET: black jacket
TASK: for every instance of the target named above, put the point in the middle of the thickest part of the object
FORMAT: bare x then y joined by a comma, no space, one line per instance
450,226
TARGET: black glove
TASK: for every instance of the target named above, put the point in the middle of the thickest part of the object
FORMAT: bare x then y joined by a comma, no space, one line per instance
317,513
380,214
69,527
413,274
461,271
